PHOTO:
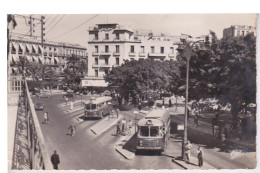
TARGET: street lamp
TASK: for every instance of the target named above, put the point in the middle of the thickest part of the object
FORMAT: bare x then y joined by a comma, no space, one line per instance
81,98
186,50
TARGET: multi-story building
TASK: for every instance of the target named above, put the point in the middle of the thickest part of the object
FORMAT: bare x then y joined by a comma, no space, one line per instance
50,53
238,30
110,44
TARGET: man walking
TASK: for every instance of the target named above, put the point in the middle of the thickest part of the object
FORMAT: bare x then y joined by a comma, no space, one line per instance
118,128
200,156
188,147
55,160
46,118
72,129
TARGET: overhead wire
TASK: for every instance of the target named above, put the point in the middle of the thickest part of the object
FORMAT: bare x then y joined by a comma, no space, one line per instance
75,27
52,20
56,23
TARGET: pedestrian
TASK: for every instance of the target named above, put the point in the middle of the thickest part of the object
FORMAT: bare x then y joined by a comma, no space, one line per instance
118,128
163,102
46,118
139,105
196,120
72,129
55,160
129,124
66,99
188,147
200,156
213,123
123,124
170,102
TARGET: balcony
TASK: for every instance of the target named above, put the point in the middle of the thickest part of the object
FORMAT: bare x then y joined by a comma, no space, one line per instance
157,54
106,65
116,65
131,54
171,55
95,65
116,53
105,53
95,54
142,54
13,52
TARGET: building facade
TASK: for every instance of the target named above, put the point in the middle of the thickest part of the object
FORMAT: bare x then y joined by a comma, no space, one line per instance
110,45
52,54
238,30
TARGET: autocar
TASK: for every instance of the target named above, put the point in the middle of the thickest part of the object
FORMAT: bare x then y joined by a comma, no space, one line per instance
106,93
39,106
68,95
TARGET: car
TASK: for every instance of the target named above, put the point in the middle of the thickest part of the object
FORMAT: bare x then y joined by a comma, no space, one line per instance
39,106
68,95
106,93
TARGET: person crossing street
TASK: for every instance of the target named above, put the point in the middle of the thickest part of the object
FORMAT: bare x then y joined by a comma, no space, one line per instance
72,129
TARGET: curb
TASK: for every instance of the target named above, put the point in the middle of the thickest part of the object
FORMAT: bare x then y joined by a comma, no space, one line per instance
191,166
126,154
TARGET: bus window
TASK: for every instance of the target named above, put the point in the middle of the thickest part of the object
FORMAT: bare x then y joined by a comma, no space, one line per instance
154,131
144,131
90,106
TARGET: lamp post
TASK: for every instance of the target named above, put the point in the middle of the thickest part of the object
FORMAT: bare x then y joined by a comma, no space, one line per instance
186,50
81,98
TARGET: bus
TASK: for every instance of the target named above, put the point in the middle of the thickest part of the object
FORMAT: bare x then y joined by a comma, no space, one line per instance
154,130
98,107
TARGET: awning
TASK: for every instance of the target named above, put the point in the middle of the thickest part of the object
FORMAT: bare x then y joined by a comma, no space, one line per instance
35,48
57,59
35,58
16,46
93,83
41,48
22,46
29,47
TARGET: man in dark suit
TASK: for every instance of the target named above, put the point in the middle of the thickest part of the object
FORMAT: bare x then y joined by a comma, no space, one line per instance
55,160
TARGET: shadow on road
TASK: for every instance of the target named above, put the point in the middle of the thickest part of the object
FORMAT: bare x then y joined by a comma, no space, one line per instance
207,141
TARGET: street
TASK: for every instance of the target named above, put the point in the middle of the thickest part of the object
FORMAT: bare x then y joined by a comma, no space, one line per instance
86,150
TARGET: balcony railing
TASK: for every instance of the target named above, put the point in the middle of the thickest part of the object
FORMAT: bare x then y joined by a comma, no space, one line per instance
105,53
171,55
95,65
156,54
116,53
131,54
142,54
95,53
106,65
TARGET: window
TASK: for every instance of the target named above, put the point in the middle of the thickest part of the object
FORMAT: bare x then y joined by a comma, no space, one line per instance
162,49
142,49
96,61
117,61
152,49
106,61
96,49
107,37
238,32
154,131
96,37
144,131
106,72
117,48
96,73
106,49
243,33
132,50
117,36
171,50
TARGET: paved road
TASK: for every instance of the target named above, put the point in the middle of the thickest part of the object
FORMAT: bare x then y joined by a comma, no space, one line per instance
87,151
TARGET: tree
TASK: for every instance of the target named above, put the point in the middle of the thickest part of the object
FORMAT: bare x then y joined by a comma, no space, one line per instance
226,70
34,70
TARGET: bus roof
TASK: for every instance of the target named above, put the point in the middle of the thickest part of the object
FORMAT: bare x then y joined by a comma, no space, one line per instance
100,100
156,116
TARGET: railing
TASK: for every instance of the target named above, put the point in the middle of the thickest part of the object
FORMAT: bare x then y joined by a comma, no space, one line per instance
131,53
39,155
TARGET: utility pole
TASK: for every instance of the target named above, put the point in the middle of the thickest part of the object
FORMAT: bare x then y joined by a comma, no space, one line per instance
31,25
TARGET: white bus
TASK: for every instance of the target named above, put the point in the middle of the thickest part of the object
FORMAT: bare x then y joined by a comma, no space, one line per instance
98,107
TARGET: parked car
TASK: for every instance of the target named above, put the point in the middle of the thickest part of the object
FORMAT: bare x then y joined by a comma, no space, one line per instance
106,93
68,95
39,106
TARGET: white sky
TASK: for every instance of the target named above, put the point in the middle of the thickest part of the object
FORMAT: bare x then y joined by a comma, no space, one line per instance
175,24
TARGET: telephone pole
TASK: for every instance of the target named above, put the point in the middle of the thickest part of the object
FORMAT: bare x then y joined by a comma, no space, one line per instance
42,29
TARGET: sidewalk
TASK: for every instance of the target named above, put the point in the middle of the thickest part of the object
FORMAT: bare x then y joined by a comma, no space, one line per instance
104,124
192,165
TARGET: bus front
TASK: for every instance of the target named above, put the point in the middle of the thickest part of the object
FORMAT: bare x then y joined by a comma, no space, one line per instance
91,110
150,135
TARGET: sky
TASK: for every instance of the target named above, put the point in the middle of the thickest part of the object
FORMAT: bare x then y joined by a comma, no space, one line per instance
73,27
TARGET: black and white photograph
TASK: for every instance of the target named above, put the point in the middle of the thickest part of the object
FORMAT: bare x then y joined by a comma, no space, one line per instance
131,91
